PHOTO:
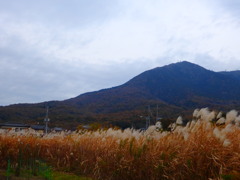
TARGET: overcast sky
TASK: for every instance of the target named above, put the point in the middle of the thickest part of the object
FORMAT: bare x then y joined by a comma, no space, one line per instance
58,49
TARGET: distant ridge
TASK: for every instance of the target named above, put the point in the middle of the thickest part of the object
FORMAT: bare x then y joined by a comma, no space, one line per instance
176,88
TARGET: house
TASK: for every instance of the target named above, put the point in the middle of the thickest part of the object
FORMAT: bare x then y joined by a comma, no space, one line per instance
14,126
19,127
57,129
39,127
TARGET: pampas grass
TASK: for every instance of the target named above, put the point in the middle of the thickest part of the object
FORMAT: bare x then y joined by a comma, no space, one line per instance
199,150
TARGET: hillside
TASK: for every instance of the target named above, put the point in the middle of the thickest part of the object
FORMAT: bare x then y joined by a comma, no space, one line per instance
233,74
176,88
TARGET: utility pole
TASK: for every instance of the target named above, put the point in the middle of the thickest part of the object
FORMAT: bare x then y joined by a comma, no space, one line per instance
148,118
157,118
46,120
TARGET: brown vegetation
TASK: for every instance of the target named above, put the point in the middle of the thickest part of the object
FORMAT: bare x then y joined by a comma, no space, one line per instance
200,150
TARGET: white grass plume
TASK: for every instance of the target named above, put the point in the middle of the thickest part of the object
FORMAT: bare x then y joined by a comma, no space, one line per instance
179,120
221,121
219,115
196,113
231,116
158,125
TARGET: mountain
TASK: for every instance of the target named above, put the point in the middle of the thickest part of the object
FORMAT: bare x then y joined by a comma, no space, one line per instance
181,83
177,89
232,74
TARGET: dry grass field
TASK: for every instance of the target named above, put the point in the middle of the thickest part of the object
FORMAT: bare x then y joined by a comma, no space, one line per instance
208,147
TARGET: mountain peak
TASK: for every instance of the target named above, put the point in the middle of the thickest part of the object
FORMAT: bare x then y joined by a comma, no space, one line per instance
183,67
184,64
176,69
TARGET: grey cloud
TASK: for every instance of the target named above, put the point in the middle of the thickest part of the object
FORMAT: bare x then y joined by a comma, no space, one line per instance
232,5
53,50
71,13
27,78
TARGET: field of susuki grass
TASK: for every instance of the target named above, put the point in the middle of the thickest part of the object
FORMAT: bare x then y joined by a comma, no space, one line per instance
208,147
